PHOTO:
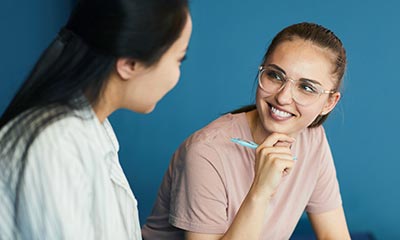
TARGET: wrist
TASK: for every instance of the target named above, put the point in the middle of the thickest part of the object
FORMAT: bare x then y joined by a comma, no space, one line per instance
257,195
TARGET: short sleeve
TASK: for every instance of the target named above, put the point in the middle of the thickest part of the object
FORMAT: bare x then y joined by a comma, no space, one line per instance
198,195
326,194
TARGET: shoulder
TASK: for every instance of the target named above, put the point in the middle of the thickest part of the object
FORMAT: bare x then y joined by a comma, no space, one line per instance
55,138
63,143
313,136
212,138
64,152
55,123
209,145
312,147
69,130
216,132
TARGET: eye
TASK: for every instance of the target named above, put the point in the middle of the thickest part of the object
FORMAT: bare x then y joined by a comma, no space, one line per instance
275,76
308,87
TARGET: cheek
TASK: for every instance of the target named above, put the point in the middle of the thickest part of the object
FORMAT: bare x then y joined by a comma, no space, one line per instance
259,100
262,100
310,113
167,77
174,75
260,96
177,75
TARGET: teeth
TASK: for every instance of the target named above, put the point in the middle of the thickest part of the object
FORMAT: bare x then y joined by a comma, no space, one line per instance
280,113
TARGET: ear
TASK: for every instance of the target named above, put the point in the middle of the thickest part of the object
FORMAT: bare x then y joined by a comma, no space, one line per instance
331,103
125,68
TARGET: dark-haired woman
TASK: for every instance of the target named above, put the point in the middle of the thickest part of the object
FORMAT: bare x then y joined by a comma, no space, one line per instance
60,176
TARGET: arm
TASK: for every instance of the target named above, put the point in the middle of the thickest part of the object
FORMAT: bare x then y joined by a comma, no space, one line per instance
272,163
330,225
253,208
324,209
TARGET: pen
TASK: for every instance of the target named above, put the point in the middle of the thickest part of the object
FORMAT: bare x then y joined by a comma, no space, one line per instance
245,143
249,144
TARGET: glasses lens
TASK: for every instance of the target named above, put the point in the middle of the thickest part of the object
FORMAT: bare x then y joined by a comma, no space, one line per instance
304,92
271,80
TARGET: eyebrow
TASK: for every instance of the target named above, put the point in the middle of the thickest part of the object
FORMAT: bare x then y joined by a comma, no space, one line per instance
277,68
283,71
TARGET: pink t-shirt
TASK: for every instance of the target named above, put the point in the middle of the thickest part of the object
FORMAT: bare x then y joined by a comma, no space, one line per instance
209,177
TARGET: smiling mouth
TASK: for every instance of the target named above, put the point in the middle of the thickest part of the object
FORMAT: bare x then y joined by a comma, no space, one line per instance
279,114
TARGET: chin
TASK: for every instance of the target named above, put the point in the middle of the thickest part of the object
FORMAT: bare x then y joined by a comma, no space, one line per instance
149,110
143,109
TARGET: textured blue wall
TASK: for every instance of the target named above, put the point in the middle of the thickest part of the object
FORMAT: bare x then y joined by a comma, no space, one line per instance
228,42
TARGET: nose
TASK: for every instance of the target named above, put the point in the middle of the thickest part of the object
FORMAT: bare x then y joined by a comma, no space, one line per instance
285,96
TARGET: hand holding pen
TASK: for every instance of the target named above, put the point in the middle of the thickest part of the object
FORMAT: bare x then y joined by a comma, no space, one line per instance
274,160
250,144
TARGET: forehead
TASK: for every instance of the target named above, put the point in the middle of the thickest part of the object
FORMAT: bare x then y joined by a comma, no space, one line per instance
304,59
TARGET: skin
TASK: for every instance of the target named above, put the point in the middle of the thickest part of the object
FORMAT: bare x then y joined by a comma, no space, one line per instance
299,59
137,87
275,134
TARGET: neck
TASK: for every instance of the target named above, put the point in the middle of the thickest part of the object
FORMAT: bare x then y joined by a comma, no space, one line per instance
108,101
257,130
102,110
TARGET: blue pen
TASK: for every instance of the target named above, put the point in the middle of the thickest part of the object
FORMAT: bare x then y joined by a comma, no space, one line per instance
245,143
249,144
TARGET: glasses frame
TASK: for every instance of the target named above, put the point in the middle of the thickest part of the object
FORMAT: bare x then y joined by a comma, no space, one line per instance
318,87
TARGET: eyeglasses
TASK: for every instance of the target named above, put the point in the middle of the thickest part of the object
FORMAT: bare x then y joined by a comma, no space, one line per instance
272,80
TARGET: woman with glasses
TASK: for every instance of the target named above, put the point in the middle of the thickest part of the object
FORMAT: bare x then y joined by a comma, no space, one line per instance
216,188
60,177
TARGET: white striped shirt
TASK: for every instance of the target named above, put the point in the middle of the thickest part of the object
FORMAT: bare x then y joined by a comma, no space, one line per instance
73,186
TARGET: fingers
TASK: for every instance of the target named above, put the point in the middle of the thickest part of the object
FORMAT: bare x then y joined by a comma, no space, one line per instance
274,160
281,161
278,140
277,159
268,150
283,144
271,165
276,151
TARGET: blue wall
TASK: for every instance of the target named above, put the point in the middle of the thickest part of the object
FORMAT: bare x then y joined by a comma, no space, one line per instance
228,41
